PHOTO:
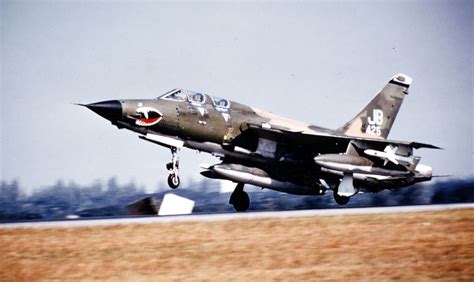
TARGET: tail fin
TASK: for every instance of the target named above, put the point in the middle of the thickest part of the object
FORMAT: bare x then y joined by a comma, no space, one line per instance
376,119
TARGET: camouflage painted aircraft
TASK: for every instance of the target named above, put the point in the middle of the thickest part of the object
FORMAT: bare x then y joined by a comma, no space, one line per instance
263,149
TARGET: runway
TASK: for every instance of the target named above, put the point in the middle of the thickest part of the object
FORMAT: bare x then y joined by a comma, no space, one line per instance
81,222
395,243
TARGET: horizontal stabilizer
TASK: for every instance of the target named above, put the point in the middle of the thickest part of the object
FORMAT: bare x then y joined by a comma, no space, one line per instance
417,145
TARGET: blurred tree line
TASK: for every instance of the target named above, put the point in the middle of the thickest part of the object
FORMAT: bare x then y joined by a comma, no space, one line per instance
111,199
61,200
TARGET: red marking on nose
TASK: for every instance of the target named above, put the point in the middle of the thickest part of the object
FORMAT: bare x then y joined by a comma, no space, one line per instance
150,120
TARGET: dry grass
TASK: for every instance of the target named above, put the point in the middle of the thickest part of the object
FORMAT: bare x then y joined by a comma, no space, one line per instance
427,245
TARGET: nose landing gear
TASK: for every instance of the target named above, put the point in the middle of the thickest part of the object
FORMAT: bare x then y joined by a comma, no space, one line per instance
173,168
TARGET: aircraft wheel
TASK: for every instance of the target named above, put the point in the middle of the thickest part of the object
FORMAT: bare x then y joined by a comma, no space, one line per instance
341,200
241,201
173,181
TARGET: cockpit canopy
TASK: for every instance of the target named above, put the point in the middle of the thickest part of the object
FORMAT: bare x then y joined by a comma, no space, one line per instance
182,95
175,94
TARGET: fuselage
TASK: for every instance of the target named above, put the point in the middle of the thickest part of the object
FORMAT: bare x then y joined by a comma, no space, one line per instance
206,121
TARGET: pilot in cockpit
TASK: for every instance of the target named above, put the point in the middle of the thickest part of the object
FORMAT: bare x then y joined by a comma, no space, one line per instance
222,103
198,97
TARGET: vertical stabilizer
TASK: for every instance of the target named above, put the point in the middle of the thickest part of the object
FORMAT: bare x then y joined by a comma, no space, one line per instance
376,119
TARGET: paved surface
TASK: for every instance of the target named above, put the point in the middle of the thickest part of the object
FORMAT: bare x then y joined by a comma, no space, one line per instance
230,216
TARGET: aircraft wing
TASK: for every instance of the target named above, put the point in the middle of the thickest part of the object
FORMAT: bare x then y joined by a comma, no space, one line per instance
315,142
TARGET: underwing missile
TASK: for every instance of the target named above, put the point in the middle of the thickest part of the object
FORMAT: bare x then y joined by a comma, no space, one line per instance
411,161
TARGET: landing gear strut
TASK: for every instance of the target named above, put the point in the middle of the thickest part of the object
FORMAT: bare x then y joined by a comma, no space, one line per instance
173,167
239,198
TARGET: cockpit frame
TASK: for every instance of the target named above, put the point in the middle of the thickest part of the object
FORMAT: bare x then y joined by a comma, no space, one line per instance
181,95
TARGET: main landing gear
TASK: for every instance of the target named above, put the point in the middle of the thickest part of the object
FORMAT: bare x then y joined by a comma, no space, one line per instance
341,200
239,198
344,190
173,167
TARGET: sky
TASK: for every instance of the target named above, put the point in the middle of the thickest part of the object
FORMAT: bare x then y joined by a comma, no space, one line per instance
316,61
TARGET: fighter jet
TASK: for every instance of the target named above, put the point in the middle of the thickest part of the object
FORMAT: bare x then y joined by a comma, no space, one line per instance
260,148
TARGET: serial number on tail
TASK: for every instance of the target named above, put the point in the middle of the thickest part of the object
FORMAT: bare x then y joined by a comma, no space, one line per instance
375,123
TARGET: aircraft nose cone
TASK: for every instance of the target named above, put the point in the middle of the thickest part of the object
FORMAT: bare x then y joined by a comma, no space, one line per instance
111,110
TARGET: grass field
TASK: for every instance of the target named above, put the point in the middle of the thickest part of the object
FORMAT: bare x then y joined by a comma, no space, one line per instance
406,246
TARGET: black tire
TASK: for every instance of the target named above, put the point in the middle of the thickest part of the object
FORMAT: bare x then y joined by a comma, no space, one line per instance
341,200
173,181
241,201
